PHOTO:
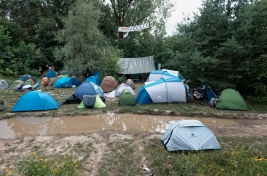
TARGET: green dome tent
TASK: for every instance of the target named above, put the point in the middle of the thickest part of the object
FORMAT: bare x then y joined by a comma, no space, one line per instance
231,99
126,98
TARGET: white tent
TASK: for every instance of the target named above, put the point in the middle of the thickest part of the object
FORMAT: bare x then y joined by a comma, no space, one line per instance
189,135
3,84
158,74
121,87
175,73
170,90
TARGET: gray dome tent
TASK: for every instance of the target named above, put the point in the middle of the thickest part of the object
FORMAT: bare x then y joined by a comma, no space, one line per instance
190,135
3,84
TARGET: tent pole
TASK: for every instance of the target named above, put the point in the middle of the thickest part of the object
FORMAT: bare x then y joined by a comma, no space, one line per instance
152,48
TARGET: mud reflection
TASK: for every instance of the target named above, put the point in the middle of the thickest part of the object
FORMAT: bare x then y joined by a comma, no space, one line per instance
40,126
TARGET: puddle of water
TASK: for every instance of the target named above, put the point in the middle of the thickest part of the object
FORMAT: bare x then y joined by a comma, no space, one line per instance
41,126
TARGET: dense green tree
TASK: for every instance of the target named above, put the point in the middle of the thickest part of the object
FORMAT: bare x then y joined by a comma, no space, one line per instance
85,47
16,59
223,44
39,19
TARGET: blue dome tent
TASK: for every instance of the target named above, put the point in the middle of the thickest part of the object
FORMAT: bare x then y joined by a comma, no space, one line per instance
51,74
35,101
86,88
63,82
94,79
66,82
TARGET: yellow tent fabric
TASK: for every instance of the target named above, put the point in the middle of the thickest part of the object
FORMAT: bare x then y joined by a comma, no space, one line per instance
98,103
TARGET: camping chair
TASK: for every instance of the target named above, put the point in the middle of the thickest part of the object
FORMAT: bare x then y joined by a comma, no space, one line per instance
199,98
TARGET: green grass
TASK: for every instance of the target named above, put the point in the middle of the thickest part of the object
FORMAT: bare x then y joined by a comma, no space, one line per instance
124,157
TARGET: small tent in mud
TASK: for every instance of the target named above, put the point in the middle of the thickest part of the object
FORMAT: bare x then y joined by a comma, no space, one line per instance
162,91
91,101
231,99
109,84
126,98
189,135
35,101
3,84
121,87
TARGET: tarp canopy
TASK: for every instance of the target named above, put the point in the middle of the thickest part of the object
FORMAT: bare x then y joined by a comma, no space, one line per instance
189,135
136,65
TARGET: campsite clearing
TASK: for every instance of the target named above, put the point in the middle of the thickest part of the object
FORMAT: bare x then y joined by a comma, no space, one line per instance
97,153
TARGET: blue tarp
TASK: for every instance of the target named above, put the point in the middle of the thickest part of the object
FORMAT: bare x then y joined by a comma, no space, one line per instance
35,101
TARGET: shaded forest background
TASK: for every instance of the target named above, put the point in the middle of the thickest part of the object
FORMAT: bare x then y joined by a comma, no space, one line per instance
224,44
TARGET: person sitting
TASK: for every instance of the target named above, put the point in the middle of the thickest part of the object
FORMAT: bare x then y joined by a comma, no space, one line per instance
45,82
213,101
198,96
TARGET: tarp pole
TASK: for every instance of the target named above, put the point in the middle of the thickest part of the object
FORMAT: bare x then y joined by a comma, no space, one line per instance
152,48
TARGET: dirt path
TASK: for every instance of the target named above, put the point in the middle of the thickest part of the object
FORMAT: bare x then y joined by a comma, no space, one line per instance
13,149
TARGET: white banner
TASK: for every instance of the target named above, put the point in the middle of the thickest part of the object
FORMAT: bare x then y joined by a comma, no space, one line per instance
133,28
